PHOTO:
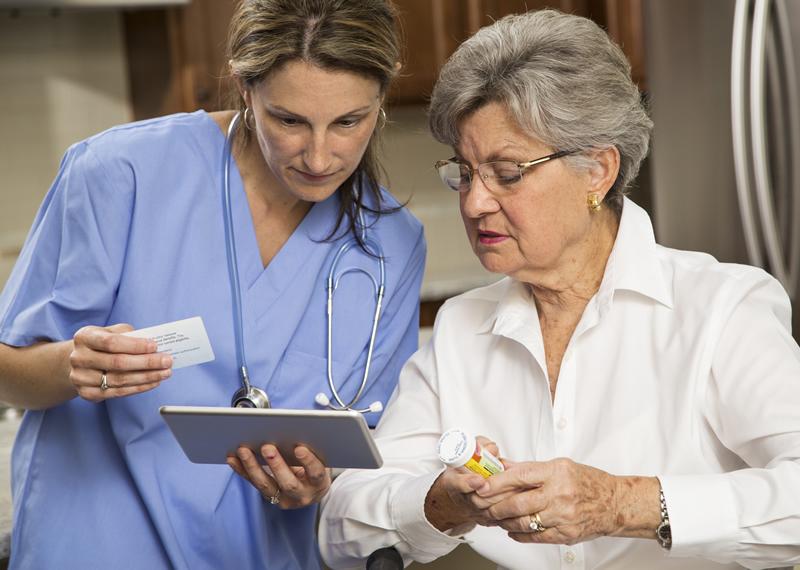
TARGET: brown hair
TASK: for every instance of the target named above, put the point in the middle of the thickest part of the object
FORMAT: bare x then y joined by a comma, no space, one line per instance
359,36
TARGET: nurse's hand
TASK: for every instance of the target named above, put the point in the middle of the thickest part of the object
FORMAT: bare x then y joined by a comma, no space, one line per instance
452,504
131,365
284,486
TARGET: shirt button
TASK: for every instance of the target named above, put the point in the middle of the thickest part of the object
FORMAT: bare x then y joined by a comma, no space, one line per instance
562,423
569,557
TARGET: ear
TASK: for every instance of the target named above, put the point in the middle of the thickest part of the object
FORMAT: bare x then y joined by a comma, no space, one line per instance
604,172
244,91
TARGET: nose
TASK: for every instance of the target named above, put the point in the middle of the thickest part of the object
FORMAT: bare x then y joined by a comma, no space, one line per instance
478,200
317,155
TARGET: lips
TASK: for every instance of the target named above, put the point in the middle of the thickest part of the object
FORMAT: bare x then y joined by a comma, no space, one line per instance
487,237
314,178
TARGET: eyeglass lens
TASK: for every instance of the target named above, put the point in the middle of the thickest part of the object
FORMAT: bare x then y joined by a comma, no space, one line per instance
458,176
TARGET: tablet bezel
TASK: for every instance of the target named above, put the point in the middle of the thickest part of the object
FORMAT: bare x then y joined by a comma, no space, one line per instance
207,435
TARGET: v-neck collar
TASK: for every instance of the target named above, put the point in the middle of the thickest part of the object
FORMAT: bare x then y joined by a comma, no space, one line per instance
305,245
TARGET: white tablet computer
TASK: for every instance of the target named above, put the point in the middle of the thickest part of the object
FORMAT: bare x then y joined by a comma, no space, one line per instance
210,434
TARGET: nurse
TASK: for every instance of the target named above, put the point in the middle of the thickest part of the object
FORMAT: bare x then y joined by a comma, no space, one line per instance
132,234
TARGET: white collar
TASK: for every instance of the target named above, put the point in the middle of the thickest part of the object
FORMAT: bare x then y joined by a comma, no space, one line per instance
633,265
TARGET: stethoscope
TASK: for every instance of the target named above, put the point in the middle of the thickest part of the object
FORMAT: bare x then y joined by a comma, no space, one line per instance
249,396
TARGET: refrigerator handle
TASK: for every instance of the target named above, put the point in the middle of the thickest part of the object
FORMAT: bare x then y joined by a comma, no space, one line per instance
793,180
758,122
741,160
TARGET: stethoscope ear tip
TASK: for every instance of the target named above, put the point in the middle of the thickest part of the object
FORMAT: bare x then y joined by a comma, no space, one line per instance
375,407
322,400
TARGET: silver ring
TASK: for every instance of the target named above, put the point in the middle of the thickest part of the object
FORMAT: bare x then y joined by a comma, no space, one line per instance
275,499
103,381
536,523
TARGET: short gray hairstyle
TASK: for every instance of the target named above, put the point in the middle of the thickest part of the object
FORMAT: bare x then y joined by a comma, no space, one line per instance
560,77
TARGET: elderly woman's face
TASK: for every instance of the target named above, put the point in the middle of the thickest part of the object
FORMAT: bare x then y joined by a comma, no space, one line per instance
536,225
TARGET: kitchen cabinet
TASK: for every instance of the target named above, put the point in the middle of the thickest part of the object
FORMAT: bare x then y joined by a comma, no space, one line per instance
176,55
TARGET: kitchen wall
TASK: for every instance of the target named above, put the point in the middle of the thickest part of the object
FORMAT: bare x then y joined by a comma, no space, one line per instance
64,78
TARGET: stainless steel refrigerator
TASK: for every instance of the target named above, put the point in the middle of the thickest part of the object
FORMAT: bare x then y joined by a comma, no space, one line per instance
724,95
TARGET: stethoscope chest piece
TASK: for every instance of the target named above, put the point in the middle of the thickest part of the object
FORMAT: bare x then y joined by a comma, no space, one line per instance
250,397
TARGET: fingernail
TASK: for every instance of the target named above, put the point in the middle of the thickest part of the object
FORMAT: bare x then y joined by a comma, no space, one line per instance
270,452
166,362
301,453
166,374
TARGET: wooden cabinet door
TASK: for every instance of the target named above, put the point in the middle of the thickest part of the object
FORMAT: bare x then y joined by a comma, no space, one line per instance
176,56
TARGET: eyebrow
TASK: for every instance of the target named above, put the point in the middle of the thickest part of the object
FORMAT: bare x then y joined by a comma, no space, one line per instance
501,154
279,109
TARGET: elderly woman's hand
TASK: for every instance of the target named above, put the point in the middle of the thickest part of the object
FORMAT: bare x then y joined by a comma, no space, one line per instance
574,502
452,503
279,483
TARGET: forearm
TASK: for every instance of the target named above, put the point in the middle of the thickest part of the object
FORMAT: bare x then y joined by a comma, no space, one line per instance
365,511
638,507
36,376
750,516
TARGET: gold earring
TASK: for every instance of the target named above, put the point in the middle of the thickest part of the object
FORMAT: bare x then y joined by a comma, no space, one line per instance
593,201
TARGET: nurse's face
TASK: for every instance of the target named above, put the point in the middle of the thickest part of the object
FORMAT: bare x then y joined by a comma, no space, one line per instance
312,126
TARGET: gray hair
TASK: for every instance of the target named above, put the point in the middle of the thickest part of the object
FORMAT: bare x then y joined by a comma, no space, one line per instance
561,79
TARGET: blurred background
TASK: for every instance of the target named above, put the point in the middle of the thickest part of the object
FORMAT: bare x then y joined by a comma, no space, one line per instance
720,78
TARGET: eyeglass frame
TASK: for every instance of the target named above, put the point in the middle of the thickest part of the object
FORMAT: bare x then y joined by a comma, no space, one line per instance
523,166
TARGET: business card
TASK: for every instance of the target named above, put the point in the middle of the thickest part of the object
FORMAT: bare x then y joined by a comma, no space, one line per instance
186,341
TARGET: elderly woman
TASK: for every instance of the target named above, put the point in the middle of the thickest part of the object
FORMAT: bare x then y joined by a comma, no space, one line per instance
634,391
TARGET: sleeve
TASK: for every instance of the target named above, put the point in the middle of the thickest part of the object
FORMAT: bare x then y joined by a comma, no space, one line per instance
69,268
397,337
368,510
750,516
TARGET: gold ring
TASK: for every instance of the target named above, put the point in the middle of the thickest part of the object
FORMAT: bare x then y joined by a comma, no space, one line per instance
104,381
536,523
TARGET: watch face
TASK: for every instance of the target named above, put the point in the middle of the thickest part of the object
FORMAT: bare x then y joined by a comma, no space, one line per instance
664,532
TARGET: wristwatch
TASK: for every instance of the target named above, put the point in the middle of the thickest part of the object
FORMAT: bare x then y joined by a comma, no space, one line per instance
664,531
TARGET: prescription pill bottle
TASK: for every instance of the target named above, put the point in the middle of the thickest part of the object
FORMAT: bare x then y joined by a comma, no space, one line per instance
457,448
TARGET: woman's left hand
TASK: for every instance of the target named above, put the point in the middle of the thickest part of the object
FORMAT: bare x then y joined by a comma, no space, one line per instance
574,502
284,486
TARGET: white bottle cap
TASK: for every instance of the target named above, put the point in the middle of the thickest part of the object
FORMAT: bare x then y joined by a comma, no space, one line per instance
456,447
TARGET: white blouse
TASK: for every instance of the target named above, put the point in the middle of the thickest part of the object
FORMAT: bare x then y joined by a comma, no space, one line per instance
680,367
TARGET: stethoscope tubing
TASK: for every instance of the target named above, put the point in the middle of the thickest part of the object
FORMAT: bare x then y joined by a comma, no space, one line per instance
379,289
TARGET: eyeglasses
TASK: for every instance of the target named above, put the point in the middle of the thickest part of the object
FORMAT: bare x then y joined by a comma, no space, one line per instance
498,175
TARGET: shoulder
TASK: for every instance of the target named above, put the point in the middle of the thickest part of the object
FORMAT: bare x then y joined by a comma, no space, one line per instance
707,287
163,139
144,156
471,310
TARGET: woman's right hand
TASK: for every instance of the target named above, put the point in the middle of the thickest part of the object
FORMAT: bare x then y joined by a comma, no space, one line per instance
452,502
131,365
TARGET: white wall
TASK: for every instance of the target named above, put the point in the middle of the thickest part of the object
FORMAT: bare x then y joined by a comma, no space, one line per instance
62,78
409,154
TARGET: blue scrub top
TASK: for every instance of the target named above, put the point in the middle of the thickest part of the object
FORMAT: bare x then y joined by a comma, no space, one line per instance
132,231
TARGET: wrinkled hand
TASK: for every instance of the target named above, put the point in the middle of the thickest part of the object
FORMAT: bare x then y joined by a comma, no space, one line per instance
294,487
452,502
575,502
131,365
